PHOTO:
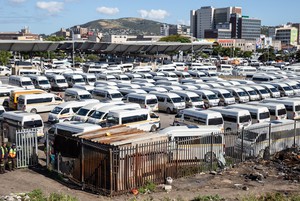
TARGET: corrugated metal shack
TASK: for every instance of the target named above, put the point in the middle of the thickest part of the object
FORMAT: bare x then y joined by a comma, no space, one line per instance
112,160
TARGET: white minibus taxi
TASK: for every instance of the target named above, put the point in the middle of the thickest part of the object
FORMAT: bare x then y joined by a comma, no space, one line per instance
271,89
284,89
234,119
40,82
192,100
263,93
240,95
169,102
99,116
148,101
277,110
36,103
73,94
134,118
17,120
107,94
259,114
292,106
20,81
253,95
57,82
225,97
210,99
194,116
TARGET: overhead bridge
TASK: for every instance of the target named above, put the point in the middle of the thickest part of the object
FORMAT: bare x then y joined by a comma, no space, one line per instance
113,48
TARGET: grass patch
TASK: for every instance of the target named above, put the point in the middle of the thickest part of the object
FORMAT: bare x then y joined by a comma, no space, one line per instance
38,195
207,198
148,187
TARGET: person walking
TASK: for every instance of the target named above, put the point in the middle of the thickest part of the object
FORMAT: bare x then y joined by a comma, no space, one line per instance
3,157
12,158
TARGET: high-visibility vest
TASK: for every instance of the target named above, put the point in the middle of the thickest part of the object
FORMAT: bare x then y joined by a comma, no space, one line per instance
12,153
2,152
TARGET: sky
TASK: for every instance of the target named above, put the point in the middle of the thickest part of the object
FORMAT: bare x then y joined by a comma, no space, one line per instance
46,17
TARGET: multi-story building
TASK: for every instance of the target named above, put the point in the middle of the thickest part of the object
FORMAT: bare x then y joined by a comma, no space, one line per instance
297,25
24,34
287,35
249,28
209,18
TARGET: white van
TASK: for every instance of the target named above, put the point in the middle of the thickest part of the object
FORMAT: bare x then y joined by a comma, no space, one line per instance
259,114
99,116
89,78
292,106
277,110
65,111
128,85
196,74
210,99
271,89
148,101
193,116
73,94
244,71
191,99
234,119
263,92
225,97
123,78
40,82
141,80
183,75
107,94
5,71
36,103
295,86
154,89
73,79
88,88
262,77
253,95
169,102
57,82
20,81
225,69
134,118
240,95
284,89
125,92
84,112
174,79
17,120
72,128
166,68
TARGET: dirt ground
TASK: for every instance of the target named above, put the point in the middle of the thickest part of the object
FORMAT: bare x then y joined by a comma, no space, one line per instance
232,184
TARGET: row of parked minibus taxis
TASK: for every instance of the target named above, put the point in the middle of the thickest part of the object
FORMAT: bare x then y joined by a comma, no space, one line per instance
226,105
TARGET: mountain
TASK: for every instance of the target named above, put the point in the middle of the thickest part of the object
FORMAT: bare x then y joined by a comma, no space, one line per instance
128,26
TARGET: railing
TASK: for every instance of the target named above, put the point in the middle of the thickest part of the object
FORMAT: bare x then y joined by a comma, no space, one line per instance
113,170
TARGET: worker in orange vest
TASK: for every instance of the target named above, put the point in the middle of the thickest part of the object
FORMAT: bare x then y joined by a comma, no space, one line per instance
12,158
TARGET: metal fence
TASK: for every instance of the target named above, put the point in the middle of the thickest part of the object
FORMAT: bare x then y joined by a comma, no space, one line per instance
112,170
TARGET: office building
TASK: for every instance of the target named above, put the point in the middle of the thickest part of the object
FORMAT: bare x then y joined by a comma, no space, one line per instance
288,35
249,28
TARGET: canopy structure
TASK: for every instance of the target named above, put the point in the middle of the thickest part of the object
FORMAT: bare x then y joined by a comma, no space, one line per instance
113,48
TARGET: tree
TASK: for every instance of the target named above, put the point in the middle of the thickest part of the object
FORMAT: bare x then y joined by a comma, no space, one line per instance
247,54
55,38
4,57
78,59
175,38
93,57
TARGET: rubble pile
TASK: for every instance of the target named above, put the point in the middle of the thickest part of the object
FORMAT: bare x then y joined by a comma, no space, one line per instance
287,163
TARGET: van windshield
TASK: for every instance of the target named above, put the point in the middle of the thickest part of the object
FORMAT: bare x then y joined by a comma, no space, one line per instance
263,91
242,93
116,95
196,99
85,96
212,97
282,111
97,115
60,81
273,89
264,115
215,121
151,101
227,95
245,119
252,92
44,82
297,108
92,79
34,123
78,80
176,100
112,120
26,83
56,110
287,88
82,111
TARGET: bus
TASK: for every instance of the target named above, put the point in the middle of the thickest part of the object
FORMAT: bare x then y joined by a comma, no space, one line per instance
14,96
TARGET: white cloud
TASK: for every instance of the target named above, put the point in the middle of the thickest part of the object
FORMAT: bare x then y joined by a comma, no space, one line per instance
154,14
183,22
17,1
107,11
52,7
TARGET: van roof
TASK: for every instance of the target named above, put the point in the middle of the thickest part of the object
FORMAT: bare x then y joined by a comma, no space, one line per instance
187,93
77,127
44,95
267,104
192,130
19,115
77,91
229,110
95,106
141,95
169,94
111,91
119,106
200,111
128,111
72,104
248,107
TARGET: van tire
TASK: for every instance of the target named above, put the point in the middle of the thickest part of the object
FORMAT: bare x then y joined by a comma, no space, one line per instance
33,111
168,111
207,157
153,128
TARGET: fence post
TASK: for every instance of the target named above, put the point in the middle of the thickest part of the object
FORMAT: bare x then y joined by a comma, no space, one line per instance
176,142
111,171
242,145
211,151
295,132
270,133
47,151
82,163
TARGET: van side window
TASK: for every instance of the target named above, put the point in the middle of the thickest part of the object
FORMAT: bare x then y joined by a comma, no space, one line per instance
272,112
262,137
230,118
57,98
169,100
253,115
160,99
65,111
75,109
